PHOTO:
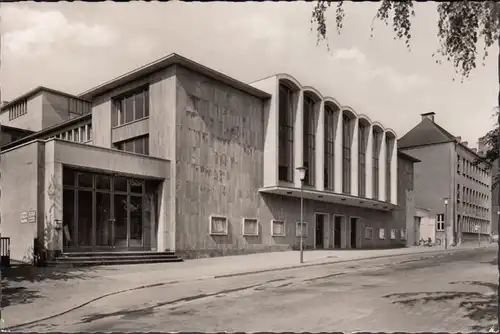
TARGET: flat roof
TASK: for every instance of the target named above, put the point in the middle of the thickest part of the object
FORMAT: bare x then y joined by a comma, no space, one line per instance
35,91
157,65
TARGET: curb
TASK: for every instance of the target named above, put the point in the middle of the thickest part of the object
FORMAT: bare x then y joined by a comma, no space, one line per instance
305,265
202,278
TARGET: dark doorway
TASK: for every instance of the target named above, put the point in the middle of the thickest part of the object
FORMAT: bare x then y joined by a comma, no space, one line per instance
320,231
337,236
354,225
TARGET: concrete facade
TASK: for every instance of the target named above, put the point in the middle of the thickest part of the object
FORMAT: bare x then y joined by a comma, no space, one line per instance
447,182
214,143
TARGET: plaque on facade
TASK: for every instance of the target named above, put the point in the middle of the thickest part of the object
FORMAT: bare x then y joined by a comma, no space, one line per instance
24,217
32,216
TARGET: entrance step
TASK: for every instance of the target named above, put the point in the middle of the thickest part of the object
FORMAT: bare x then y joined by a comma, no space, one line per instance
112,258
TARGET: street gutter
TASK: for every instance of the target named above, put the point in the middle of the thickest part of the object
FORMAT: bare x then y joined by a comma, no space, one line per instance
243,273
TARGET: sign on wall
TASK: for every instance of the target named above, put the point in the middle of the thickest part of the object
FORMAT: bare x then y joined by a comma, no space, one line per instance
24,217
32,216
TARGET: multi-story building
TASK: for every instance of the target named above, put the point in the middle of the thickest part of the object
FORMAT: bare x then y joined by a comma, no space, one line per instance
177,156
452,181
482,148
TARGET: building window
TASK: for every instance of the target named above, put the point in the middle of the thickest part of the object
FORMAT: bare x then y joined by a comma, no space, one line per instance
218,225
130,107
388,145
381,233
458,192
393,234
362,143
403,234
368,233
17,110
346,154
299,230
440,222
376,151
250,227
138,145
286,129
278,228
329,148
309,140
458,164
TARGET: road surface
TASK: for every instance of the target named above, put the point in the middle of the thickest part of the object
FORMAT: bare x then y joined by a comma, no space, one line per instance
415,293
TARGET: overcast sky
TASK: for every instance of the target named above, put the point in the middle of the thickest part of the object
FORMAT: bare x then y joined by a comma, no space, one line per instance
75,46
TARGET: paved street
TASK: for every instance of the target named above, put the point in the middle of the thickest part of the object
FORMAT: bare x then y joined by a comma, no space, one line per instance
417,292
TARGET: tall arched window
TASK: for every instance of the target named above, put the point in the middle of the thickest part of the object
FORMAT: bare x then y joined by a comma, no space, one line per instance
309,140
388,150
362,141
376,151
346,154
329,148
285,137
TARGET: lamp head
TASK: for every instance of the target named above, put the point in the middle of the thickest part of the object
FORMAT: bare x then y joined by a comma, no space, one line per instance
446,202
302,172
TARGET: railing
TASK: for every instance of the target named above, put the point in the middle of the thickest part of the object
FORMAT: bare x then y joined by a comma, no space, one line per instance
5,251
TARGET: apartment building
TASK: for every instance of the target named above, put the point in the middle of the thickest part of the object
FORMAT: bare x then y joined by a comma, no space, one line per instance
178,156
452,181
482,148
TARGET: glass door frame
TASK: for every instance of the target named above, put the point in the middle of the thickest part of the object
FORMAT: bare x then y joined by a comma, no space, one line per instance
76,189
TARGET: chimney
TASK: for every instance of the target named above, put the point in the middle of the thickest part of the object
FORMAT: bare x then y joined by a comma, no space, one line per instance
429,116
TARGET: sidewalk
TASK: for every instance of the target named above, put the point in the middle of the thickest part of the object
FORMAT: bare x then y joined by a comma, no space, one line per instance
62,292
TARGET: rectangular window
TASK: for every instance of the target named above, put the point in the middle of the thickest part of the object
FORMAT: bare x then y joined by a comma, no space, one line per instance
376,151
440,222
368,233
278,228
18,110
329,148
218,225
458,164
76,134
362,143
346,154
381,233
250,227
309,140
393,234
130,107
138,145
403,234
286,129
388,150
299,230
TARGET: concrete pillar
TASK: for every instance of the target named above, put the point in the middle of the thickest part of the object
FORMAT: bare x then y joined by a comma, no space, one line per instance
369,163
355,158
338,153
298,137
394,172
319,181
381,168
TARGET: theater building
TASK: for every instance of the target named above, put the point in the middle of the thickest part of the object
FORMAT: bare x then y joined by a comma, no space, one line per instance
176,156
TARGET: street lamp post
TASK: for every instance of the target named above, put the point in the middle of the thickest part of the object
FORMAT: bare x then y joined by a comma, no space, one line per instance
445,223
302,175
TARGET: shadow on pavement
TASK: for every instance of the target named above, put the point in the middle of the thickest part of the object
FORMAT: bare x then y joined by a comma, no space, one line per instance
479,307
20,283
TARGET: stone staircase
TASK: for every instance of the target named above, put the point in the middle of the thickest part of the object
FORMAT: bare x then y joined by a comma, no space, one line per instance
80,259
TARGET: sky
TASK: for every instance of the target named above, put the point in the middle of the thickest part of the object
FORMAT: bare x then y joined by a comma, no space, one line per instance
75,46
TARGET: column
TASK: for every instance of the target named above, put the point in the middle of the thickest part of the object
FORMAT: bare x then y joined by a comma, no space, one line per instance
381,167
338,153
369,163
319,182
394,172
355,158
298,145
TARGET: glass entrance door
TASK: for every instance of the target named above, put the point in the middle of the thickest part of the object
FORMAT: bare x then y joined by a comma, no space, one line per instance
106,211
